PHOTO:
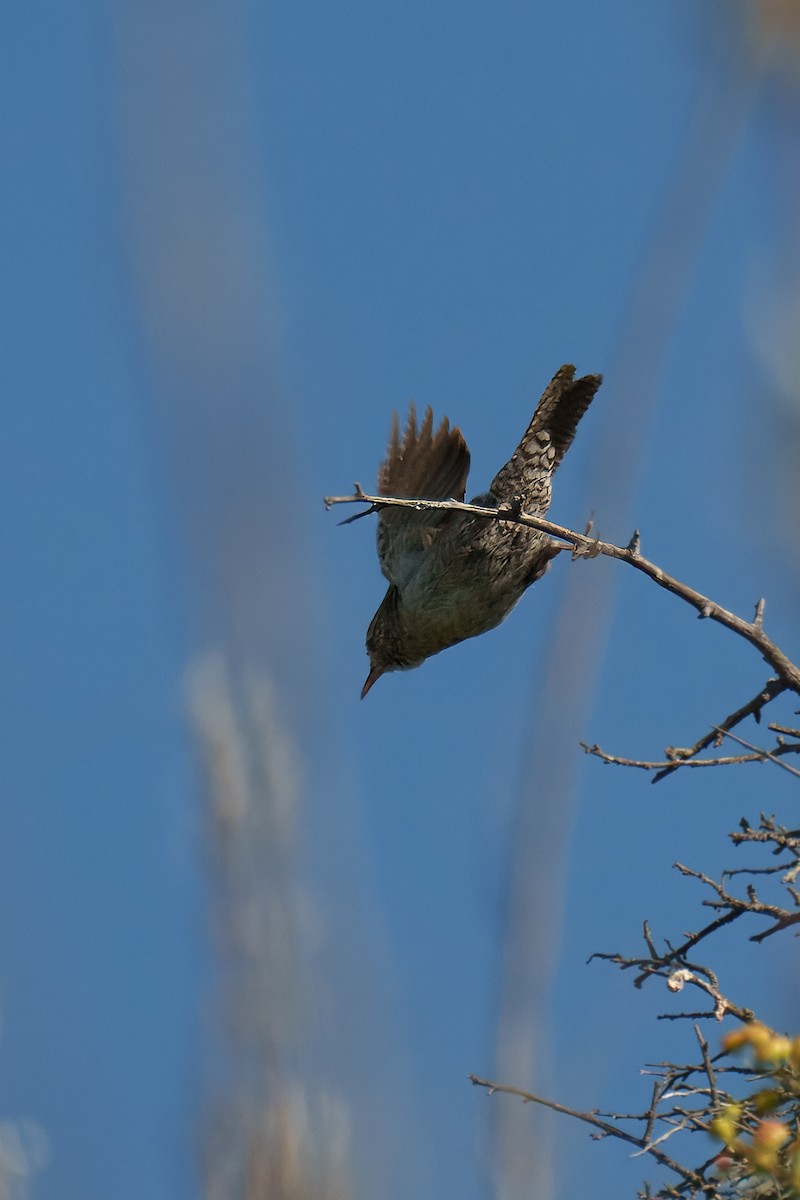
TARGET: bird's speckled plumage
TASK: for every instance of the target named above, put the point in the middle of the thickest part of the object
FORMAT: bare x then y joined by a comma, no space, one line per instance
451,575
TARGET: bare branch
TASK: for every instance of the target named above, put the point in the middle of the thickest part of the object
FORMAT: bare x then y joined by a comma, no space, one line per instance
783,918
689,1098
677,971
706,931
753,708
584,546
665,767
685,756
606,1129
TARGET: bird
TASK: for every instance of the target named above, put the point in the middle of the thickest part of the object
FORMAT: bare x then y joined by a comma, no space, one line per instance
453,575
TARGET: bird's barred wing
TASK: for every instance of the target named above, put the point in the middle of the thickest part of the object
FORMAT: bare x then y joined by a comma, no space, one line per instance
422,464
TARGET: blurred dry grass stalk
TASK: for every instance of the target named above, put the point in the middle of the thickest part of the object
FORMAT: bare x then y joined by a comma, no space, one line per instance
23,1152
195,222
273,1131
775,32
772,310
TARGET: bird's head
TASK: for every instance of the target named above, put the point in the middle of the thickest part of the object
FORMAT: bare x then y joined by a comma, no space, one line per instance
386,642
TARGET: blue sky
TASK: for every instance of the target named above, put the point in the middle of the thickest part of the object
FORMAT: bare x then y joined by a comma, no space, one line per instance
237,237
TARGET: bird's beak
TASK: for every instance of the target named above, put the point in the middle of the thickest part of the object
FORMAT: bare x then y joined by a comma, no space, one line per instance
374,675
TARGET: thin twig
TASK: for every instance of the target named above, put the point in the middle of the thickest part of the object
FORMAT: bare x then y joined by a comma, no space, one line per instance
771,689
652,1112
712,1082
666,767
678,954
758,750
606,1128
677,973
676,1128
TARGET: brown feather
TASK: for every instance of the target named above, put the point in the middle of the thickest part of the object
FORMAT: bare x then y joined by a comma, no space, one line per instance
424,464
430,466
550,433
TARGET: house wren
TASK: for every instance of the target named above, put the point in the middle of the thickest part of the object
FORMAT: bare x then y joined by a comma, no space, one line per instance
452,575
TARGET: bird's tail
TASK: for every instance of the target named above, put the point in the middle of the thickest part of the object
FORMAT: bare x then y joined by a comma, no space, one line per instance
526,476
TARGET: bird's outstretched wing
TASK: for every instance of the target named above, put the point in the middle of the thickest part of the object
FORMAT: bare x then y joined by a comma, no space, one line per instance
426,465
